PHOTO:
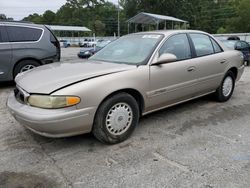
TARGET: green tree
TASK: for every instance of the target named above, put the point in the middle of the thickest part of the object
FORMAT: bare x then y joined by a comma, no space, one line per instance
99,28
240,23
84,3
221,30
207,15
35,18
49,17
4,17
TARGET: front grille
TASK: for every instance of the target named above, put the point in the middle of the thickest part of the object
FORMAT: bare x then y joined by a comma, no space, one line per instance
19,95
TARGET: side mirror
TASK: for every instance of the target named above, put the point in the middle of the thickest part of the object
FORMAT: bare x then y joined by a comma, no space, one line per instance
165,58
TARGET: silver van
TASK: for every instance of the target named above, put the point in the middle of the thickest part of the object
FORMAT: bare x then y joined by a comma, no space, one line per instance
24,46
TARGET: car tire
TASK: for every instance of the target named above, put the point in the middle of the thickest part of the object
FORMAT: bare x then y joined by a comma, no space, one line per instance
116,119
25,66
225,91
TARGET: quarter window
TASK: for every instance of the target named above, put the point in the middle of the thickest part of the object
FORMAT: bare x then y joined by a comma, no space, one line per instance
23,34
217,48
177,45
202,44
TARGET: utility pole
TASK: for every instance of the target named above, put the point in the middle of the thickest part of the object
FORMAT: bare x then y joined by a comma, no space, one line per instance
118,20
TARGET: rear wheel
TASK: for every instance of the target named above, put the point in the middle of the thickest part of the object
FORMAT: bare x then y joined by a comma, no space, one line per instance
116,119
225,91
25,66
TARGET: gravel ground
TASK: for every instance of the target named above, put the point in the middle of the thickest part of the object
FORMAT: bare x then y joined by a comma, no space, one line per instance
70,54
201,143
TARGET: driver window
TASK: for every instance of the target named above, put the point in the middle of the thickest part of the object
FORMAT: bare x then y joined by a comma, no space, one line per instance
177,45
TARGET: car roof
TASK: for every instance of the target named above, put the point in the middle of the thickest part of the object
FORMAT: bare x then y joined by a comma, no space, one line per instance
169,32
20,23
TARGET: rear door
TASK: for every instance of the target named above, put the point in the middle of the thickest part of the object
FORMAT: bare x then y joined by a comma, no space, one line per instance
210,62
5,54
175,81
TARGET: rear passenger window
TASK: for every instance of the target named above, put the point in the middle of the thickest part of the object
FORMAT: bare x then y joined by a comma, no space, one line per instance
177,45
3,35
217,48
23,34
202,44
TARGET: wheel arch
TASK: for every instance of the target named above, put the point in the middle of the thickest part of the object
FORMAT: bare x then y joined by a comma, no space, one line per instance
24,59
134,93
234,70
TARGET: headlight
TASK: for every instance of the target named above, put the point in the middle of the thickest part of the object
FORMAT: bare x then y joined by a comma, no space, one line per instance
52,102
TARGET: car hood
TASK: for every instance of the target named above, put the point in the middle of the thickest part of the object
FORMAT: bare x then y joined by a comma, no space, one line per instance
48,78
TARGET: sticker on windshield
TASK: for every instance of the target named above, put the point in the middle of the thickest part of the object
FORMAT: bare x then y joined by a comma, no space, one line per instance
151,36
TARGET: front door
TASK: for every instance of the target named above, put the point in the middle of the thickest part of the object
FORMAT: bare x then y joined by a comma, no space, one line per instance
172,82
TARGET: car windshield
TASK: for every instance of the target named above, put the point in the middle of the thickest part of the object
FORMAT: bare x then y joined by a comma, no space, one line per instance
131,49
230,43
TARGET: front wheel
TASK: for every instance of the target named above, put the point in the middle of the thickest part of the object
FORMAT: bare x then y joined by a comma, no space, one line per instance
225,91
116,119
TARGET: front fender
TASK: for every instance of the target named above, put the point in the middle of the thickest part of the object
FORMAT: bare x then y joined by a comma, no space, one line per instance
93,91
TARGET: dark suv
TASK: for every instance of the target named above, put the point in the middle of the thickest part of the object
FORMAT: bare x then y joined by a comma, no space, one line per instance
24,46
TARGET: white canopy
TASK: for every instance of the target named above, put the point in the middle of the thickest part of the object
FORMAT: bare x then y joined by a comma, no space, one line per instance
148,18
68,28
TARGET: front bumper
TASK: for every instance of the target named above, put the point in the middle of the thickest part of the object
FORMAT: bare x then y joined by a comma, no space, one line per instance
52,123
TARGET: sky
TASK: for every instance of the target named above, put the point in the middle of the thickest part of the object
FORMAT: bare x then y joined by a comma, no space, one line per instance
19,9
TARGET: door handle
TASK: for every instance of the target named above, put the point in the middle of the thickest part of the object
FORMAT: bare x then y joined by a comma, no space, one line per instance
223,61
191,69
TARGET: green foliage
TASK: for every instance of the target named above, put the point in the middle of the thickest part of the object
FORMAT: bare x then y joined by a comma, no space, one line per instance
98,15
35,18
4,17
241,22
214,16
207,15
221,30
99,28
49,17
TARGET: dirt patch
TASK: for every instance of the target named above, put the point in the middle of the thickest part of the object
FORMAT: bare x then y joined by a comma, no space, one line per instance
25,180
221,115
